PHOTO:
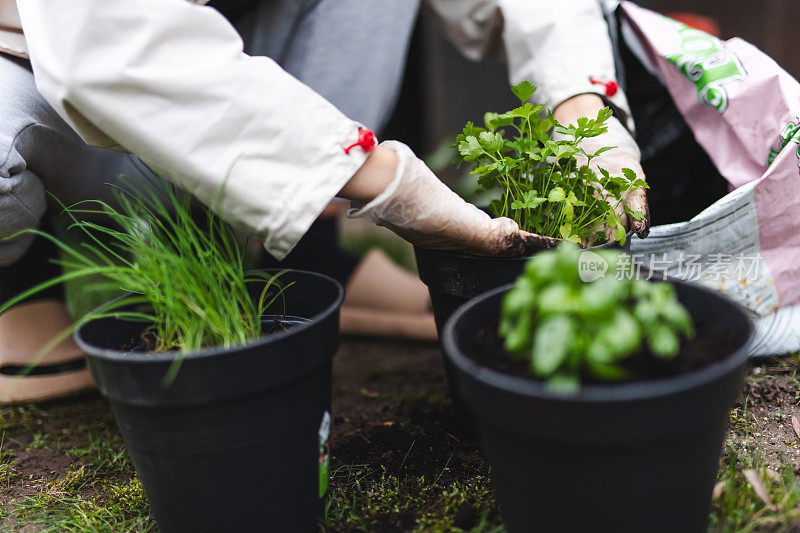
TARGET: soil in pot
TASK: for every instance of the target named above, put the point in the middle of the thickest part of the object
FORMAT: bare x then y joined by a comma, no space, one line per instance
712,343
147,341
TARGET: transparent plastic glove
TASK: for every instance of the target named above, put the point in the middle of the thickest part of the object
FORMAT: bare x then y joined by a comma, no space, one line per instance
420,208
625,155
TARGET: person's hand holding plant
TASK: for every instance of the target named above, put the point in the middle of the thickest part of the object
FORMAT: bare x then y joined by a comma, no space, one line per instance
625,154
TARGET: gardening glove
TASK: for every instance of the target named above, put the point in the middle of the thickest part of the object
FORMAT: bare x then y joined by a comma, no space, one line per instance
625,155
421,209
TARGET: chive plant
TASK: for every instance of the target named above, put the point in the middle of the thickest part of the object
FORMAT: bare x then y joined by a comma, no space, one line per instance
545,179
186,280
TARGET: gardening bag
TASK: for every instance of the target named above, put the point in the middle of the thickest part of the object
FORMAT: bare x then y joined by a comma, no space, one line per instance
744,111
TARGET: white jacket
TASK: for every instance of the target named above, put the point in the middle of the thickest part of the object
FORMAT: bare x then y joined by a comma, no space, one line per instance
168,81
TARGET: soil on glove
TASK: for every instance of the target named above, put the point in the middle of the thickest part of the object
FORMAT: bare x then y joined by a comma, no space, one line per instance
712,343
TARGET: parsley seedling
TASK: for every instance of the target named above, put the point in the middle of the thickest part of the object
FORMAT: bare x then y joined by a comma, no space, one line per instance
545,181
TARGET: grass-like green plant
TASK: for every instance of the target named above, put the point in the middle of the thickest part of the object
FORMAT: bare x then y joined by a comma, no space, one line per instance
544,177
186,280
568,328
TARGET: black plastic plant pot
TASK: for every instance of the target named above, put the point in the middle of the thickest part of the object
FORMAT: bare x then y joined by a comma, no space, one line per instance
454,278
238,442
631,457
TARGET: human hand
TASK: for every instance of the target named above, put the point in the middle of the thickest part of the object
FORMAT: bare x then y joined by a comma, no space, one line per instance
626,154
420,208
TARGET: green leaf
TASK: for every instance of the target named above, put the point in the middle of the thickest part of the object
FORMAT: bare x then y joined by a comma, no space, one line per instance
523,91
563,383
493,142
556,195
529,200
598,352
571,198
677,315
494,120
541,267
470,148
562,151
663,342
568,211
646,313
620,234
517,333
607,372
600,297
471,130
480,171
621,334
629,174
521,298
552,344
602,150
524,111
554,299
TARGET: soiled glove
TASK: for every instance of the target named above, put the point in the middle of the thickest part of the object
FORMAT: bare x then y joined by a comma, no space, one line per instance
420,208
625,155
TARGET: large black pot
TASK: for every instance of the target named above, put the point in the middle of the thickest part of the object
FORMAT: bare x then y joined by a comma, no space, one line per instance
233,444
624,457
454,278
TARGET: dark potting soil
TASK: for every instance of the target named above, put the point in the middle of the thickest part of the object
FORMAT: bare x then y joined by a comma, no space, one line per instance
711,343
148,340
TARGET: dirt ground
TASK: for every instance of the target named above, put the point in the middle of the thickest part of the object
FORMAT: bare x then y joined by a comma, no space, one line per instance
763,417
399,462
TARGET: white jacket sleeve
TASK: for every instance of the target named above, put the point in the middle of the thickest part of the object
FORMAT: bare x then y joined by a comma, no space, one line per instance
168,81
556,45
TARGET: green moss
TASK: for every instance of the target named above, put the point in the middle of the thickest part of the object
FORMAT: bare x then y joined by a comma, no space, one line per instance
363,500
51,512
738,508
84,500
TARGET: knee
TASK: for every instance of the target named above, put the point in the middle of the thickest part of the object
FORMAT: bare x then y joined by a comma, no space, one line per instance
22,205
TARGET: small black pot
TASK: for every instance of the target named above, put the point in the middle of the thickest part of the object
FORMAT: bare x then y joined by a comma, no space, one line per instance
623,457
238,441
453,278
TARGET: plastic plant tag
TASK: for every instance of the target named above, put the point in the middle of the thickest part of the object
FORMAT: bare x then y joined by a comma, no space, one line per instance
324,454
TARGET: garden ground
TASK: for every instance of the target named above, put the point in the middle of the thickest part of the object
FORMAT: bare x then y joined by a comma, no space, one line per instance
399,462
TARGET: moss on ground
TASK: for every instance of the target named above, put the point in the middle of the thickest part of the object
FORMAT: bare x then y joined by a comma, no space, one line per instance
66,469
364,500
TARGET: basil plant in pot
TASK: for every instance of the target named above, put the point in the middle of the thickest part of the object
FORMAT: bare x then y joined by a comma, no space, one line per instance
602,404
219,378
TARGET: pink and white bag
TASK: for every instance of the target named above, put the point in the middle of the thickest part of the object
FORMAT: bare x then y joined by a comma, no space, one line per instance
744,111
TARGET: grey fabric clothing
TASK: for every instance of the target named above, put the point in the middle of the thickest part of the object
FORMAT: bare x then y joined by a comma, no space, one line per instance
350,51
39,152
